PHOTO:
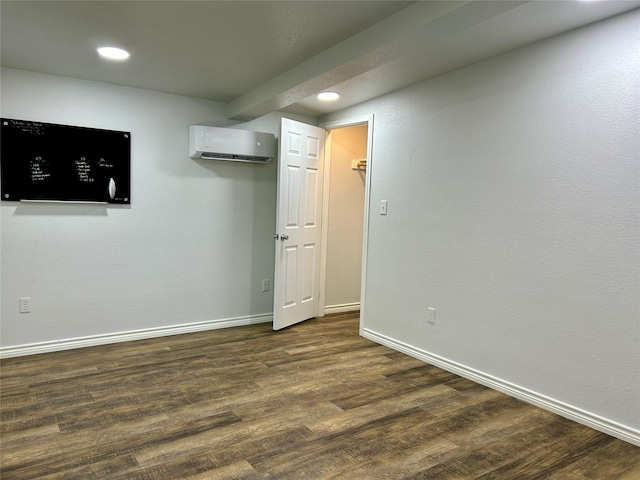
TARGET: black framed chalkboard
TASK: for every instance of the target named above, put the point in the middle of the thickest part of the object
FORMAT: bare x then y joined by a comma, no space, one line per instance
46,161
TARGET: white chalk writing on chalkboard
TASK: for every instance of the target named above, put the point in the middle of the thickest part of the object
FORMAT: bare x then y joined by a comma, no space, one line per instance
39,169
104,164
48,161
29,127
83,170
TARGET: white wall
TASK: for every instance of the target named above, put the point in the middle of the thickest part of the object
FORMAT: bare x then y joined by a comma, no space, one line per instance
193,246
514,210
346,216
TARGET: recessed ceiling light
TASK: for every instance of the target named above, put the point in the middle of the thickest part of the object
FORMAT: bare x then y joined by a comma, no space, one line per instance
113,53
328,96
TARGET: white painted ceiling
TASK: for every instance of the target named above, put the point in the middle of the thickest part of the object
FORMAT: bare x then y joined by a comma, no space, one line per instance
262,56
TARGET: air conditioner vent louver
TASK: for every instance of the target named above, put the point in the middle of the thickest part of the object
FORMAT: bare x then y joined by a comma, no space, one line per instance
214,143
234,158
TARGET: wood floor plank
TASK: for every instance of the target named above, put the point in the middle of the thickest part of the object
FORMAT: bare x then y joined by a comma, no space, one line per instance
121,466
236,471
313,401
614,460
396,464
346,419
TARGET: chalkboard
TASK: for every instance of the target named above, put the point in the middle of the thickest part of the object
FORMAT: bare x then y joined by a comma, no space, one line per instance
49,162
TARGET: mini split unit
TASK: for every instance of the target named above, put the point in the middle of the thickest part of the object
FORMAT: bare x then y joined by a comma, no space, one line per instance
213,143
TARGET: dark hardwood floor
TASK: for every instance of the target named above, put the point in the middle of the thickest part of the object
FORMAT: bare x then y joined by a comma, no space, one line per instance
312,401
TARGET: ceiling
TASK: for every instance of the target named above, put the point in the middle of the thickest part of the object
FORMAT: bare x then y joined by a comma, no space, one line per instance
262,56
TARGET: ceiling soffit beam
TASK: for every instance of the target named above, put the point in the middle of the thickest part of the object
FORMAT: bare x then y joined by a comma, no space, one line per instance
400,34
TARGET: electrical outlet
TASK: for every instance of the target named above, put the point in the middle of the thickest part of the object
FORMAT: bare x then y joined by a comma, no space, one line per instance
265,285
25,304
431,315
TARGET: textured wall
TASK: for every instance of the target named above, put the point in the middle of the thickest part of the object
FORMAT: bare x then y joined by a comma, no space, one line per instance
514,197
194,245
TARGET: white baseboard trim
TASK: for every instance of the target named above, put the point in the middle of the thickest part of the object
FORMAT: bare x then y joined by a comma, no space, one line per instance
93,340
345,307
596,422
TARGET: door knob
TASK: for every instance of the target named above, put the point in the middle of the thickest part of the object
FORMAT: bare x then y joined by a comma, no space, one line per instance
284,237
276,236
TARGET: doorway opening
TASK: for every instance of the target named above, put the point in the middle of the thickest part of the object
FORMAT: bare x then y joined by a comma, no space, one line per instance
302,217
346,193
346,169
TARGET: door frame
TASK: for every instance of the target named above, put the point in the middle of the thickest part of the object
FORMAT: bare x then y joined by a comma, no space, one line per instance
329,126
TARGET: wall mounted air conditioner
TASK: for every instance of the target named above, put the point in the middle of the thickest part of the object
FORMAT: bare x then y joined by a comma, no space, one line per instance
214,143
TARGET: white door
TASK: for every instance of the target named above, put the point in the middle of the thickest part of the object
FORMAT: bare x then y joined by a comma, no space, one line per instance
298,223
